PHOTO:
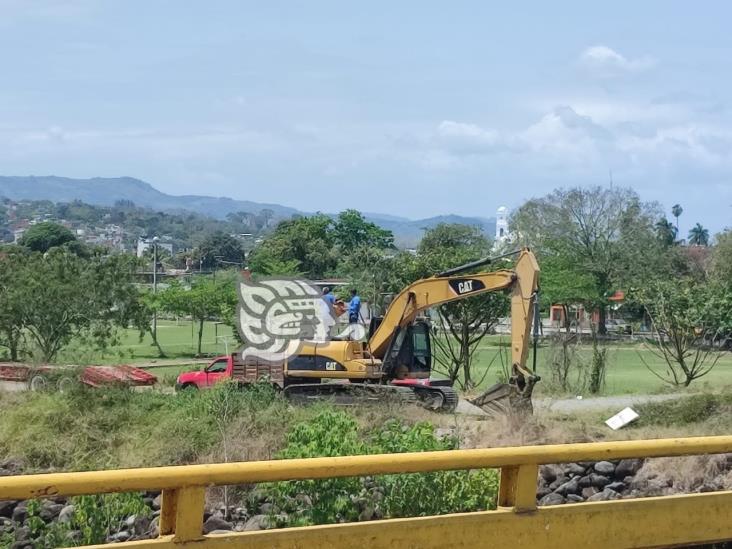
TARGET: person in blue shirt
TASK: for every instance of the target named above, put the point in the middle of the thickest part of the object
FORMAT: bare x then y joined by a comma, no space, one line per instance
328,296
354,308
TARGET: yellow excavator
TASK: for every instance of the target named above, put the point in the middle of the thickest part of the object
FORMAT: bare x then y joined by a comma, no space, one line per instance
396,359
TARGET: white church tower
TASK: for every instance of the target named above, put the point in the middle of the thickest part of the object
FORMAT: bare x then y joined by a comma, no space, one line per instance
501,225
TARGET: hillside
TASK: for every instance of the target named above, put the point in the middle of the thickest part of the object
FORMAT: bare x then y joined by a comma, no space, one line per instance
101,191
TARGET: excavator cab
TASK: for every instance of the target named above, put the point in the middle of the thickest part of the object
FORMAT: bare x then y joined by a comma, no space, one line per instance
409,355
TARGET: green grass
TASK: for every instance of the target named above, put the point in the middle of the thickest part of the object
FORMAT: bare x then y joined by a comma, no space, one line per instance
178,339
626,372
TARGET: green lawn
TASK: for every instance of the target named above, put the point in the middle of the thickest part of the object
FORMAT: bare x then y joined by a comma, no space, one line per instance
626,372
178,339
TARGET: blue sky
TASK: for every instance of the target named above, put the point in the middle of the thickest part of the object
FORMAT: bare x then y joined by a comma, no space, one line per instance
408,108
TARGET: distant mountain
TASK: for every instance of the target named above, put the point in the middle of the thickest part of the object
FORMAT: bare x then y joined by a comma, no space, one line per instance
103,191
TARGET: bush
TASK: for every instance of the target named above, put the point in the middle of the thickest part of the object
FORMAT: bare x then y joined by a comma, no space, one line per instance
335,433
683,411
109,428
95,517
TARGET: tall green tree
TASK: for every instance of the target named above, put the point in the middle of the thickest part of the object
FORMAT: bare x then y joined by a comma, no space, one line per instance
44,236
351,231
305,243
606,234
699,236
219,249
205,299
64,295
12,296
666,232
677,210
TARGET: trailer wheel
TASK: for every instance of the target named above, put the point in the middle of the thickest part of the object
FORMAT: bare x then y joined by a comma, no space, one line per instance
65,384
38,383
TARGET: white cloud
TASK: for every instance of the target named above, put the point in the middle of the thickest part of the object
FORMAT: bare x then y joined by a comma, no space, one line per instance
605,62
462,138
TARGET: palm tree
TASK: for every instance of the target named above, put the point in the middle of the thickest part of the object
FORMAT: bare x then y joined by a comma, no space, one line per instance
699,236
666,232
677,210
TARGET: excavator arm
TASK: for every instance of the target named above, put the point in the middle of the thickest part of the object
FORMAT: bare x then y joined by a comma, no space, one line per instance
523,280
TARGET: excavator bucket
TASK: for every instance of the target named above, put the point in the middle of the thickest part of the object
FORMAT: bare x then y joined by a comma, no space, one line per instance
509,399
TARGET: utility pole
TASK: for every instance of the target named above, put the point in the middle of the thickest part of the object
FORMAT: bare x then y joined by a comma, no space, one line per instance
155,286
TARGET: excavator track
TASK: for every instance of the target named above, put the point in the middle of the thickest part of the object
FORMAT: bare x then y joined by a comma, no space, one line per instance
439,399
347,394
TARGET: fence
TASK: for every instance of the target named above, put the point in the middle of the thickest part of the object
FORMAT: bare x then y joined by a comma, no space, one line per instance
518,522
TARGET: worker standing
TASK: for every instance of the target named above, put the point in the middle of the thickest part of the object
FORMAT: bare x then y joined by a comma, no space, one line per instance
328,296
354,308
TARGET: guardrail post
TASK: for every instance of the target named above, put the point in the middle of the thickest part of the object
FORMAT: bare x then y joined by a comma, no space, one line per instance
518,487
181,513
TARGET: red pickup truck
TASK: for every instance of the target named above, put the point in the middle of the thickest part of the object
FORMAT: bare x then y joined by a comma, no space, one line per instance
219,368
231,367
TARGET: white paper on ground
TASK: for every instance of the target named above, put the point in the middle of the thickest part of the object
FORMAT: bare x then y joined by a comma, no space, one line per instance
621,419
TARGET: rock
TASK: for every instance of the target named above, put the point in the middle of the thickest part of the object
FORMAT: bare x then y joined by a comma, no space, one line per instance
558,482
22,545
6,508
216,523
444,432
542,491
552,499
257,522
628,467
266,508
585,481
12,464
616,486
574,469
367,514
155,527
574,498
20,513
66,514
549,473
569,487
599,481
588,492
304,500
219,532
604,468
605,495
22,533
5,472
707,488
123,535
157,502
50,510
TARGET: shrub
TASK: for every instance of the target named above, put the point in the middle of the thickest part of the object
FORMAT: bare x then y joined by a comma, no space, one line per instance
335,433
683,411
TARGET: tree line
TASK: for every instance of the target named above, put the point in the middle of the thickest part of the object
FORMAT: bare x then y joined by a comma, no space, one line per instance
590,242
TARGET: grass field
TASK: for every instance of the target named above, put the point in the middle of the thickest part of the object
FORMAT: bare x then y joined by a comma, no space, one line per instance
626,373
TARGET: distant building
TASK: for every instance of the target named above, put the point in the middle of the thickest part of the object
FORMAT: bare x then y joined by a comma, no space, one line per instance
502,234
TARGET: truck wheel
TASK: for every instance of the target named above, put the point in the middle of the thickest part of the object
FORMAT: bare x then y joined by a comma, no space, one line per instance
65,384
189,387
38,383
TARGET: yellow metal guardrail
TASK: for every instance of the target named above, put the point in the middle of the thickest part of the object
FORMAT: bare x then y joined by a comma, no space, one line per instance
647,522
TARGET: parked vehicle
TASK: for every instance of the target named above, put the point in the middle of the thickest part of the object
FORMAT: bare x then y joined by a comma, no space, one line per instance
46,376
